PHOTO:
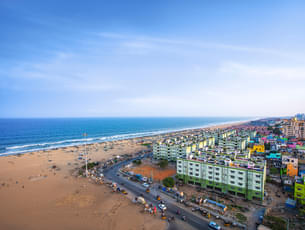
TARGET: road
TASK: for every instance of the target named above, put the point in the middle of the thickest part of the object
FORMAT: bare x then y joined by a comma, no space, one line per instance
192,219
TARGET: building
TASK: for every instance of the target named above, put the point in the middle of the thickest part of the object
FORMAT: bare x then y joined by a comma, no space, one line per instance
294,128
257,148
286,159
243,178
299,191
291,165
173,148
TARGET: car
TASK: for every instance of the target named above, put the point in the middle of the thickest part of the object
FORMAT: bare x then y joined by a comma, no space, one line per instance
145,185
215,226
162,207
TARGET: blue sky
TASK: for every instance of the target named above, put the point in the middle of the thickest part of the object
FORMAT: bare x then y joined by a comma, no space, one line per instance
151,58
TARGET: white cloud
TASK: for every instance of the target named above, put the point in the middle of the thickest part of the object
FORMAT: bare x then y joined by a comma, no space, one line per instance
266,72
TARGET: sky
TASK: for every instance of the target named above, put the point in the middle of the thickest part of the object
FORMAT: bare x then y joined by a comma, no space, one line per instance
134,58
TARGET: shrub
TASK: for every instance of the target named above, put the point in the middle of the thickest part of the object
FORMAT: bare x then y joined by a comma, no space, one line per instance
137,162
90,165
163,163
241,217
274,170
169,182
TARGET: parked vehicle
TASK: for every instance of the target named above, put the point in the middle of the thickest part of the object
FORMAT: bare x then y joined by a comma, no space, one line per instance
215,226
162,207
145,185
183,218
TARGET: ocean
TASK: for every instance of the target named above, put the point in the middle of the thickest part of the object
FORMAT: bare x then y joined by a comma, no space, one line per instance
27,135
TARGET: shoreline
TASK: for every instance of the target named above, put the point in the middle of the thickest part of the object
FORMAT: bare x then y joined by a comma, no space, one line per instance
148,134
45,183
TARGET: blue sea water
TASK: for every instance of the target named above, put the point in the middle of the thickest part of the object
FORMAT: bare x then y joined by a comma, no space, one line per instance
26,135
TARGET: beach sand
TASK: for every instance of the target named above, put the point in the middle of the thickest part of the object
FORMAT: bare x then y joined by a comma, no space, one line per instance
38,191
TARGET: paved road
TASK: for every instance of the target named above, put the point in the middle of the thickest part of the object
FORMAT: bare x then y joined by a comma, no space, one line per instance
193,220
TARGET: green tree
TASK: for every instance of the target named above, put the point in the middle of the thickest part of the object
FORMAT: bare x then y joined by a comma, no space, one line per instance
163,163
169,182
137,162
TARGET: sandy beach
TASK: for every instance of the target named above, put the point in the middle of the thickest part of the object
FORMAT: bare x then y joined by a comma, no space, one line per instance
38,191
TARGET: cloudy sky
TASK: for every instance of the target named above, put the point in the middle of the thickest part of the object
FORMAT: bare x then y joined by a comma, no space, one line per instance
151,58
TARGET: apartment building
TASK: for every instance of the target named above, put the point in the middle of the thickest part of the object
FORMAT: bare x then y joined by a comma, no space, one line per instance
299,191
232,143
173,148
240,177
294,128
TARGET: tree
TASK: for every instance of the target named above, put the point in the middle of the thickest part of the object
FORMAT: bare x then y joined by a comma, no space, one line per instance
169,182
163,163
277,131
137,162
267,146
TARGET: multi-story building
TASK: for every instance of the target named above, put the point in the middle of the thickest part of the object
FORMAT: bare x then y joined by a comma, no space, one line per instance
240,177
232,143
294,128
174,148
299,191
258,148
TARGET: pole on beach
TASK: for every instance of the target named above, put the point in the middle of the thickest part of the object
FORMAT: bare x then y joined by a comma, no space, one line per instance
85,135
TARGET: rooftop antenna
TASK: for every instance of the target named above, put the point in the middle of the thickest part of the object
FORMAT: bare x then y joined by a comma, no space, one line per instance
86,153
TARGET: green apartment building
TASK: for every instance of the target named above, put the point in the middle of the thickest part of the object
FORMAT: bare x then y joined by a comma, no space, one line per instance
242,178
299,191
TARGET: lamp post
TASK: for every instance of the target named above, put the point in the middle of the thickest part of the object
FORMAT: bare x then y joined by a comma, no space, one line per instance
86,153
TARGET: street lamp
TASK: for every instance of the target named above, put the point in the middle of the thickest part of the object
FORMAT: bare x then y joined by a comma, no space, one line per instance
86,153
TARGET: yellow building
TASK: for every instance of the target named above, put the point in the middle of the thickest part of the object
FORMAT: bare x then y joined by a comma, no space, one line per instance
257,148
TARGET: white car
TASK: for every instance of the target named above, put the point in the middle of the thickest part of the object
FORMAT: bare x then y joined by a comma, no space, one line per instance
145,185
162,207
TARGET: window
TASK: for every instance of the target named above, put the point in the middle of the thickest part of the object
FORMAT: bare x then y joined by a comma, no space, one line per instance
232,182
191,168
240,178
216,178
240,184
232,171
232,177
197,170
217,169
217,174
197,174
191,173
210,172
257,187
179,166
191,163
210,167
197,165
257,181
240,173
210,177
258,176
179,171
